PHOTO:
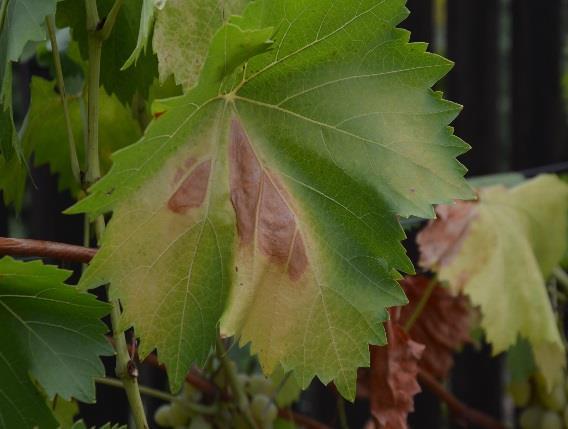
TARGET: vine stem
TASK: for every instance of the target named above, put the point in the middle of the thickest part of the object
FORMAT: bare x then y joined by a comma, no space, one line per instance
75,169
110,20
237,389
125,367
421,304
458,409
45,249
3,9
343,423
67,252
159,394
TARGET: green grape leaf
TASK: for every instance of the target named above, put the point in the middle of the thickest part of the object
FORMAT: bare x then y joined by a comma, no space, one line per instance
267,195
116,49
64,411
500,251
183,32
12,167
146,21
9,143
21,21
287,389
13,153
520,361
51,334
46,134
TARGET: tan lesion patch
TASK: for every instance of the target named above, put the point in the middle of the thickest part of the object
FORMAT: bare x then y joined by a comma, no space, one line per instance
441,240
192,191
264,216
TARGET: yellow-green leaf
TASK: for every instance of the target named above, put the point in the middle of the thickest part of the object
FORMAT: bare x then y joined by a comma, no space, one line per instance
500,251
266,197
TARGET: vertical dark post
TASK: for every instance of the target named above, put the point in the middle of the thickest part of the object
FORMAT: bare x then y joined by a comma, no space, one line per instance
419,22
539,124
473,34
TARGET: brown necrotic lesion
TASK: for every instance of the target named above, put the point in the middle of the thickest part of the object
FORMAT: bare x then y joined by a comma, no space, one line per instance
192,190
264,216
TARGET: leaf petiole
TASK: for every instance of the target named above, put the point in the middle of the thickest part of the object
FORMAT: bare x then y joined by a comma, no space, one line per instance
421,304
110,20
240,396
93,173
75,169
159,394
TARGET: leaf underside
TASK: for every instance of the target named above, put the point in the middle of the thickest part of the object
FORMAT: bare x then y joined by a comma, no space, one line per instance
266,197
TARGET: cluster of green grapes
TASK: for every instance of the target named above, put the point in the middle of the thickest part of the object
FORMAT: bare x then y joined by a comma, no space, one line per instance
180,413
261,392
184,412
543,408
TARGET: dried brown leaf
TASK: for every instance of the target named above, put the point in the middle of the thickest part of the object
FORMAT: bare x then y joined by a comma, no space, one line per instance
392,379
443,325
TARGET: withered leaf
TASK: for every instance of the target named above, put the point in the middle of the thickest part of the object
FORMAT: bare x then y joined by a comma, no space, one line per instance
442,238
443,326
392,382
500,252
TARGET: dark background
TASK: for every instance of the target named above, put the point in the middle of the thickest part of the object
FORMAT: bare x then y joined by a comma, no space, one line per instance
511,57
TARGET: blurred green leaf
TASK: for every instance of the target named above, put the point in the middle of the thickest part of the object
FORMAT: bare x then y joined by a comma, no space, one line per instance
46,135
116,49
51,334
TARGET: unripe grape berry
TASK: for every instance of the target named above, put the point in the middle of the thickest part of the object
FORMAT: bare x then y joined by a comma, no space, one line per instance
520,393
554,400
199,423
179,414
551,420
267,425
243,380
162,415
271,413
262,408
188,389
531,417
258,383
239,423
